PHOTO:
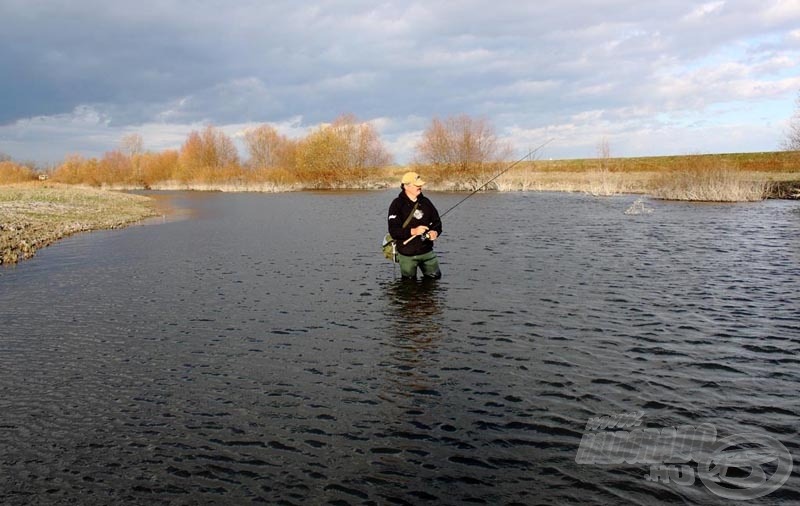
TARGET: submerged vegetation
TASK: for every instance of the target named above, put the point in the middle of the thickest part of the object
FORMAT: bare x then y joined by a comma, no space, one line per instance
33,215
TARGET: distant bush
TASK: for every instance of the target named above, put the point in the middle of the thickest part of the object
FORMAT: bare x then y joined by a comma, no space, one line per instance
208,156
269,149
708,182
339,154
75,169
345,153
460,148
11,172
157,167
115,167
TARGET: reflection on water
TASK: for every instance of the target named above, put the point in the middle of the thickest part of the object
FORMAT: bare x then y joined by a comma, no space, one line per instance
253,350
413,333
415,310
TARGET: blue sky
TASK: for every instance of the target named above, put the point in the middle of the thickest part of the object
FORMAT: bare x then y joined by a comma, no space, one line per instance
651,78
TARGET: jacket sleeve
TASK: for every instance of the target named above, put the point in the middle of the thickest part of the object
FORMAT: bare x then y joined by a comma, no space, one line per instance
396,219
436,222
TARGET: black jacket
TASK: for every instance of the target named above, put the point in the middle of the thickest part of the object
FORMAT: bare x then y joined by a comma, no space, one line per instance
426,214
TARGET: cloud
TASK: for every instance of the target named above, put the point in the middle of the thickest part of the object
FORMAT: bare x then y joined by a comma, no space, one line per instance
162,69
94,131
782,12
703,11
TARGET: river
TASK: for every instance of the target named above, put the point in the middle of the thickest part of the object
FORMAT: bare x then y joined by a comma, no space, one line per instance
257,348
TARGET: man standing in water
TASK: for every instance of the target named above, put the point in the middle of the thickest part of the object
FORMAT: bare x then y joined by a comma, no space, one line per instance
414,223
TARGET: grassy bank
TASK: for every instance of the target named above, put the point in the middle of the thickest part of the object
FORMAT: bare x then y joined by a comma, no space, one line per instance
33,215
719,178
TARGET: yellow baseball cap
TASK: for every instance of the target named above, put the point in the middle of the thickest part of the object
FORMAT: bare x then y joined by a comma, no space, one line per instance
412,178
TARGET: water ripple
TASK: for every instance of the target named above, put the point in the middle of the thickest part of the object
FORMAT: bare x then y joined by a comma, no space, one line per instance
229,359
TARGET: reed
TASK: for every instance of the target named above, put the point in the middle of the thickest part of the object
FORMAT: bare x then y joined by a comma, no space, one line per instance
600,182
772,162
710,183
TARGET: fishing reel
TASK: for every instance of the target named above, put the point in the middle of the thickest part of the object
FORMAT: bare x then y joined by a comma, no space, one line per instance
426,236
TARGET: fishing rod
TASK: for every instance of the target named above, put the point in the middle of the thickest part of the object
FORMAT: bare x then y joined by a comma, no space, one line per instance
527,155
531,152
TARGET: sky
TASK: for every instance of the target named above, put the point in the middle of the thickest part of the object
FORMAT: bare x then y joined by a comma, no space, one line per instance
644,78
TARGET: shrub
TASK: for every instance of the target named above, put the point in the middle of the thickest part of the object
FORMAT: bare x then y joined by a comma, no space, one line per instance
269,149
708,182
460,148
206,153
340,153
11,172
74,169
158,167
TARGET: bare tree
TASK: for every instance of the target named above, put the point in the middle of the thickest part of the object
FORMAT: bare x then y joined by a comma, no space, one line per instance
603,153
132,145
267,148
461,147
792,140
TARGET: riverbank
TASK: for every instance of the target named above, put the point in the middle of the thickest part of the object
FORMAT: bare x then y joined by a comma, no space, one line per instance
732,177
33,215
718,185
725,177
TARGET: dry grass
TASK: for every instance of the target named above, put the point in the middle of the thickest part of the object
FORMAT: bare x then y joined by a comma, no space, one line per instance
594,182
234,186
721,178
33,215
711,179
777,162
710,184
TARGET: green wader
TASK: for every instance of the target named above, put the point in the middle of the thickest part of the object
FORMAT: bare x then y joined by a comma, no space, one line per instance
427,262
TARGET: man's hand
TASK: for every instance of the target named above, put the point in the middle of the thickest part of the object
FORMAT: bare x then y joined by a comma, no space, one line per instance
433,235
419,230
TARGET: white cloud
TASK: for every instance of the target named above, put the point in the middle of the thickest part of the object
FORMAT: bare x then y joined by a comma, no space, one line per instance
526,87
353,81
782,11
703,11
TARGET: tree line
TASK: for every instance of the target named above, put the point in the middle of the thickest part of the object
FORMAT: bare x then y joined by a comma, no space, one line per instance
344,153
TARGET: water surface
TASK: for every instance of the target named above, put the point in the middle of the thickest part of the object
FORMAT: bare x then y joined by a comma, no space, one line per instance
258,348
